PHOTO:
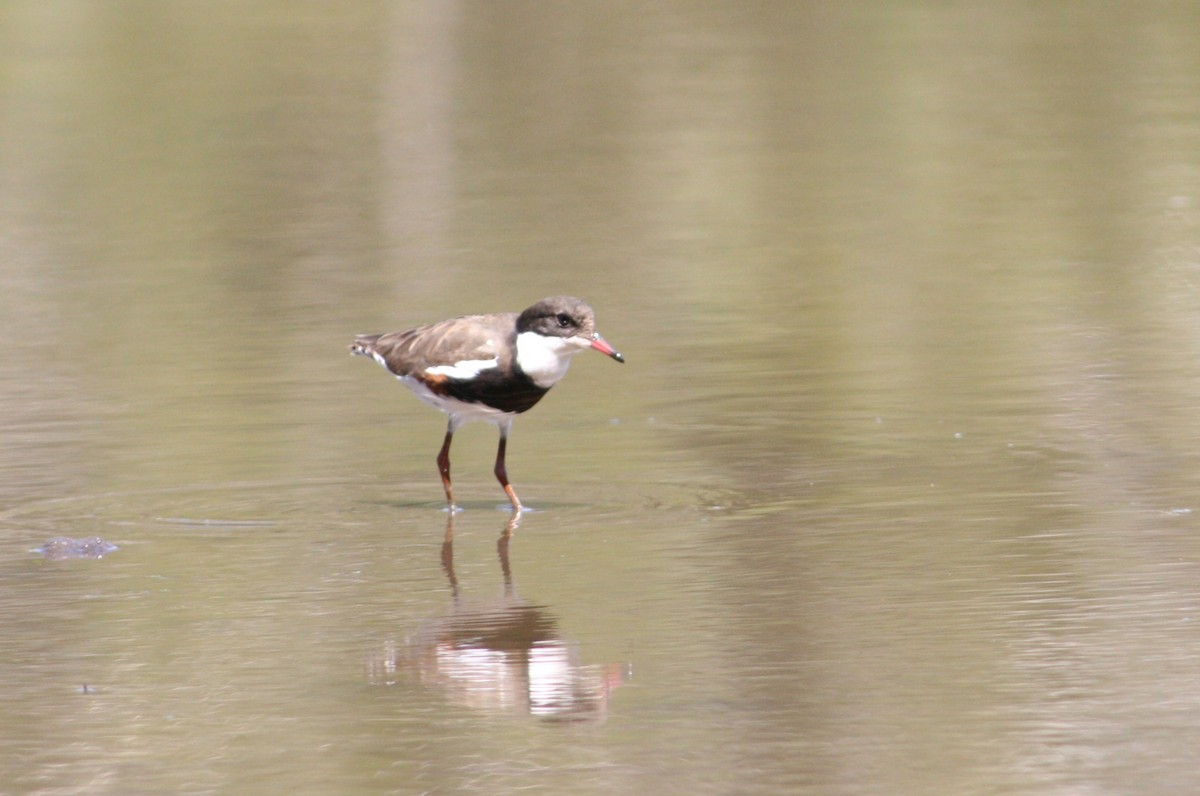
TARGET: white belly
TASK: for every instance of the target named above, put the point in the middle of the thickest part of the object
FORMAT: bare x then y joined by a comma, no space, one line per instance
460,411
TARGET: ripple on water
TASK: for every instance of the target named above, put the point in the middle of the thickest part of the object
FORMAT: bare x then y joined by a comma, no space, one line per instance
336,505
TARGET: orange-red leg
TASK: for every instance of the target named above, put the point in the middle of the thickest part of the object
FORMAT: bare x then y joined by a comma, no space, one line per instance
443,461
502,472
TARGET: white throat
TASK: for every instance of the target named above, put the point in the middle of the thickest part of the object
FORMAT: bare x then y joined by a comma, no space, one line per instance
545,359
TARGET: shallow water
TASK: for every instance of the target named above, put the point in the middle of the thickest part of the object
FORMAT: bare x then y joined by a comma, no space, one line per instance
896,492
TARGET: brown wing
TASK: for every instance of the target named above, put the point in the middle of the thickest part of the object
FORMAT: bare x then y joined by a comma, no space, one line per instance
471,337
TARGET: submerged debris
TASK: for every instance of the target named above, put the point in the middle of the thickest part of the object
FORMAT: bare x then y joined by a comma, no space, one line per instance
64,547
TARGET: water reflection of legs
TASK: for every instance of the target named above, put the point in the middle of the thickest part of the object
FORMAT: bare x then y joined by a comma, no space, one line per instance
513,523
501,654
448,555
502,550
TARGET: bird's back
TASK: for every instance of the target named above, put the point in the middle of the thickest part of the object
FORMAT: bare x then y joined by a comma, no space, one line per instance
447,343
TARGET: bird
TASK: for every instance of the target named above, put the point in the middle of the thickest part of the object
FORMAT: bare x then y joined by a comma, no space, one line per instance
488,367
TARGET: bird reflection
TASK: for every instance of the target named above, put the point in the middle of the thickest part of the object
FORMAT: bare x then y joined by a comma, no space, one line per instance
501,655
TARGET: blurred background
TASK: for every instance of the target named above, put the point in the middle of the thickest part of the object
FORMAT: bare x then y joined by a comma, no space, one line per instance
896,493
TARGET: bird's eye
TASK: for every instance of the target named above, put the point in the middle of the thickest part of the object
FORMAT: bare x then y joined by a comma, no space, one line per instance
564,320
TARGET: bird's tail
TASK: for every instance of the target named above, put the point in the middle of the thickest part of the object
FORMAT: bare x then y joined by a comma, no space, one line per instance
364,345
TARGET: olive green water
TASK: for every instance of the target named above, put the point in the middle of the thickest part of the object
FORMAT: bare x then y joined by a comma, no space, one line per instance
897,492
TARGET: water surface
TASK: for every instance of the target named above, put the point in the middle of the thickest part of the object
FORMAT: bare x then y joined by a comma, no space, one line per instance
896,493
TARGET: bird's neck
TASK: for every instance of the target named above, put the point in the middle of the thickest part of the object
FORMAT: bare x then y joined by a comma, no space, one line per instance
544,359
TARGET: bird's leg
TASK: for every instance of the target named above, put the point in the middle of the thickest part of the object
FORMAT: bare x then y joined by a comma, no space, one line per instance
501,472
443,461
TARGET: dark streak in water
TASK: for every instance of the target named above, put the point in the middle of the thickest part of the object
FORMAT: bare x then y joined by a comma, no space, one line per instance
200,521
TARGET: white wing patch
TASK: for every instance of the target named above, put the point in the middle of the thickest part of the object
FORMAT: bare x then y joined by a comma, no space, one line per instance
466,369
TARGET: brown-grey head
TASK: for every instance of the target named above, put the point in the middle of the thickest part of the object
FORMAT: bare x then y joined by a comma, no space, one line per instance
565,317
